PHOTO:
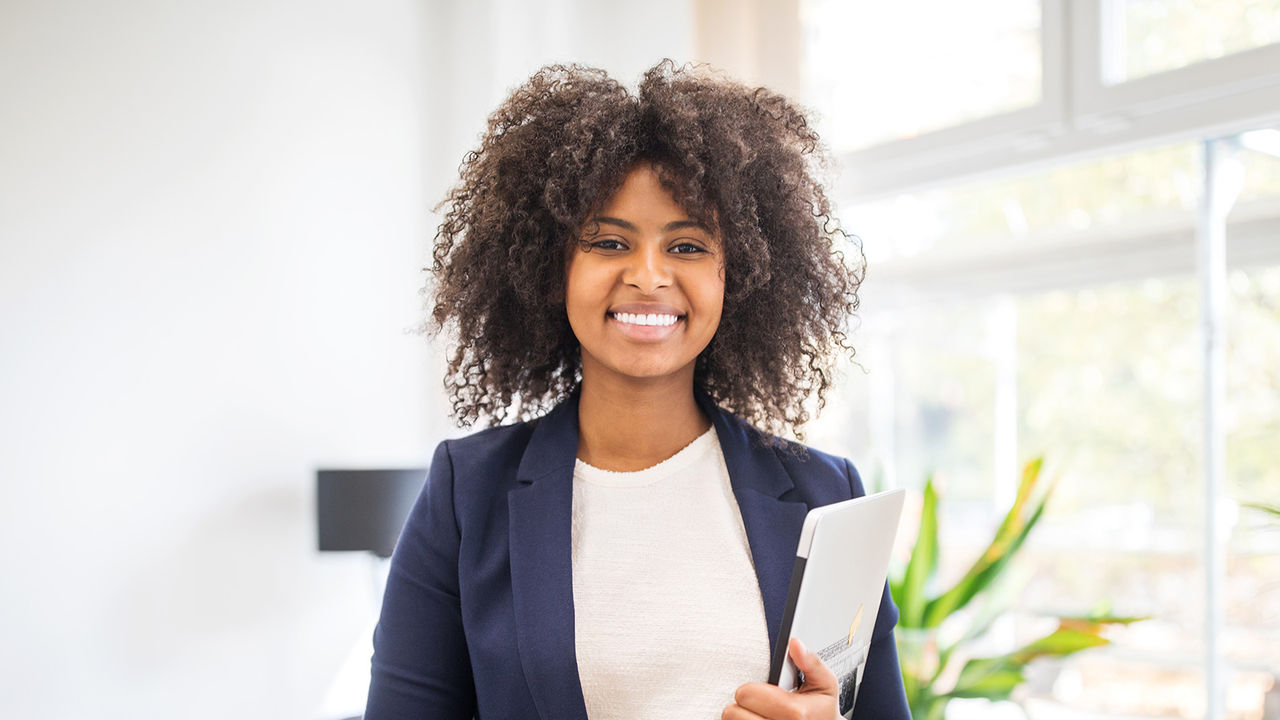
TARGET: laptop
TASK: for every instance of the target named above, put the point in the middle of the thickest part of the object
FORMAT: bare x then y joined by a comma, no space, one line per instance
841,565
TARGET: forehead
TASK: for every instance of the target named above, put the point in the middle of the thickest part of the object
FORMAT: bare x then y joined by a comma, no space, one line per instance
642,201
641,191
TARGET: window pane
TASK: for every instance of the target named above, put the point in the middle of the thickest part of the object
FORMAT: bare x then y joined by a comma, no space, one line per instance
930,388
1109,391
1252,595
944,396
1260,156
878,71
930,377
1160,35
1068,203
1107,377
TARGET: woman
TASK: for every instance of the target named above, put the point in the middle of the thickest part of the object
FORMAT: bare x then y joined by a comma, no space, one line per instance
642,280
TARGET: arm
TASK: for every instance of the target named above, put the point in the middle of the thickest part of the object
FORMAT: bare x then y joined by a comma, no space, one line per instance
420,666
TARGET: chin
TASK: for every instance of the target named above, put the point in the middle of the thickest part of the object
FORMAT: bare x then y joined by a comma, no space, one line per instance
660,373
643,374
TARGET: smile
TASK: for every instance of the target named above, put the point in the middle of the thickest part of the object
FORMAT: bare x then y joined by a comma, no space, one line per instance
650,319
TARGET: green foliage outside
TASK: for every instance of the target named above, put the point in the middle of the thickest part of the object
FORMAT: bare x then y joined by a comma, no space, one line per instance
929,662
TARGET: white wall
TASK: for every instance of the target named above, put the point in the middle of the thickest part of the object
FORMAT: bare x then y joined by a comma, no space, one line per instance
212,217
488,46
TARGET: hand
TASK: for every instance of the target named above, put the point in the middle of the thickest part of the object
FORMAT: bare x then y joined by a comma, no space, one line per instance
818,697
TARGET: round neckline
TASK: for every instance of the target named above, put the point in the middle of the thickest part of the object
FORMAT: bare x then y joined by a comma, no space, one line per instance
683,457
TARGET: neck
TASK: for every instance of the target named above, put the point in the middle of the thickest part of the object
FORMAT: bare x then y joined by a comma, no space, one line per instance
626,426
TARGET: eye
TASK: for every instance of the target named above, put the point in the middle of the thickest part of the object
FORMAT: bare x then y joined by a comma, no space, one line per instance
687,247
603,243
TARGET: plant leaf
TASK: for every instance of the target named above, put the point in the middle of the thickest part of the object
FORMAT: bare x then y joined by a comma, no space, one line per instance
923,563
1026,486
1059,643
1013,531
991,678
996,677
1264,507
984,611
1095,623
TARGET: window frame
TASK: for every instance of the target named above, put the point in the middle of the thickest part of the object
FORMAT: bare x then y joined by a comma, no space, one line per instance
1080,115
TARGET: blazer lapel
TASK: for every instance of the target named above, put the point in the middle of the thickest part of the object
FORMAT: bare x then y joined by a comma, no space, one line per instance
773,525
542,565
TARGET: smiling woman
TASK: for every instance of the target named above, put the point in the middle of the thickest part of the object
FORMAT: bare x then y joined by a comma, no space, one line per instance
644,293
643,280
740,162
645,285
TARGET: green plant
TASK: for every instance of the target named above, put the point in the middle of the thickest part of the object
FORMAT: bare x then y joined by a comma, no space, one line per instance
928,662
1273,510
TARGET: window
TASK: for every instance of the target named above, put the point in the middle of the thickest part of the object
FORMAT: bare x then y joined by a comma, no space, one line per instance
1153,36
918,94
1252,592
905,91
1108,388
1035,286
1058,312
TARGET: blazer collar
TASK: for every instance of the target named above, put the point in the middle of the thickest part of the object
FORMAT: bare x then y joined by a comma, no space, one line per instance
553,446
753,464
540,546
540,514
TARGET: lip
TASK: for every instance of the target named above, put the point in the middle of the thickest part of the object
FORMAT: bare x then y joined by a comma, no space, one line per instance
645,309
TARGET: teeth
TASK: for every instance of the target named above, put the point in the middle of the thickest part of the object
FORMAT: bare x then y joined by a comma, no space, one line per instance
660,319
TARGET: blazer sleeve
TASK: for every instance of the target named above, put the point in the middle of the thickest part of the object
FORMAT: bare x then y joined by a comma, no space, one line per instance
420,667
881,696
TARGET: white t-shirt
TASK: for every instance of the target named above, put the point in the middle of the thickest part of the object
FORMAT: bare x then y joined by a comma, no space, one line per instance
668,616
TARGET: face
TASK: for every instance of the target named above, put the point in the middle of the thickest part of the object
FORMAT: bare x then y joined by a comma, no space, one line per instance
645,287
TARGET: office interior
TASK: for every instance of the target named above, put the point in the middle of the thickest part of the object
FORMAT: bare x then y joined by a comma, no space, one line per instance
214,219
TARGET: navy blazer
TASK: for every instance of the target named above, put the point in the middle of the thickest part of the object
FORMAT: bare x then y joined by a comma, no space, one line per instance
477,620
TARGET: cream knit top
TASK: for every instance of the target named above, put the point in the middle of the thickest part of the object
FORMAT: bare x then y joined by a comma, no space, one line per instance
668,616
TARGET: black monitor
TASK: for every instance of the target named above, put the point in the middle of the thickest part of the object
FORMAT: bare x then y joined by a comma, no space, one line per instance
364,509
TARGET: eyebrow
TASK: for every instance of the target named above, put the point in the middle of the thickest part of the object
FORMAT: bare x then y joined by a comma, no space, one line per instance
674,225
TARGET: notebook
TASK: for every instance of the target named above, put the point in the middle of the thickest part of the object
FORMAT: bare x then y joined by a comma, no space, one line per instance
841,565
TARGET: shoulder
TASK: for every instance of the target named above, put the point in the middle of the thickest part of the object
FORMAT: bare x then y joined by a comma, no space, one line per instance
815,466
489,448
820,476
472,474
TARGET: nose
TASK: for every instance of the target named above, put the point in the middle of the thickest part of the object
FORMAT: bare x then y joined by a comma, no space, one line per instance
648,269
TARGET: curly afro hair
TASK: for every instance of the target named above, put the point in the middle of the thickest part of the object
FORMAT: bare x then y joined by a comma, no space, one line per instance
743,160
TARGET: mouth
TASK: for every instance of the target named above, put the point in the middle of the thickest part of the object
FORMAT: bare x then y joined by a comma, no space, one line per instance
660,320
648,327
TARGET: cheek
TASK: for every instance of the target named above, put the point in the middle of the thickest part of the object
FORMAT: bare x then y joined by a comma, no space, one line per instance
711,300
573,305
583,294
573,284
715,290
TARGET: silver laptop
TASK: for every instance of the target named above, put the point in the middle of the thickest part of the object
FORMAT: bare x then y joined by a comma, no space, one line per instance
841,565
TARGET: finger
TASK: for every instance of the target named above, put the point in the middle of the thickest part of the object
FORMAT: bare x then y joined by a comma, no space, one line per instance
763,699
817,676
737,712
